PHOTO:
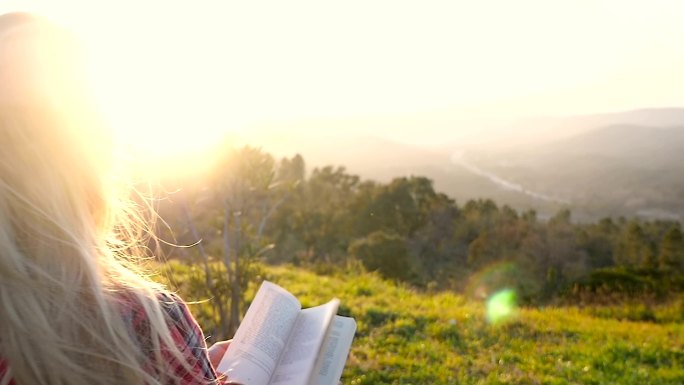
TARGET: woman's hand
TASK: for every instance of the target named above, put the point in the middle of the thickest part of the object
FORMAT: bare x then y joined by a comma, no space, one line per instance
216,352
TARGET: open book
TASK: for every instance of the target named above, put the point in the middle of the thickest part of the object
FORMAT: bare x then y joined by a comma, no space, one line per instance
279,343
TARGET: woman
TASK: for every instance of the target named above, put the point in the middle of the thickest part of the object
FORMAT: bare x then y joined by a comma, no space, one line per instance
73,307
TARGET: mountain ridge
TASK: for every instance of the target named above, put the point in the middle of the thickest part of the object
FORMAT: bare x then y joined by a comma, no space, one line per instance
631,166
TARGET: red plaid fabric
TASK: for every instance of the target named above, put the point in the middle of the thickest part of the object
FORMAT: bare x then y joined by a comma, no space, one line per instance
185,332
3,371
189,338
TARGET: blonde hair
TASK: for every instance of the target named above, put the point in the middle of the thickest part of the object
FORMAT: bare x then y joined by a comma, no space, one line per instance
66,245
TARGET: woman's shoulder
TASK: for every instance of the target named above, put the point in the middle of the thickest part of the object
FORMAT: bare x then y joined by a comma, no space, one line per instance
186,334
136,306
178,313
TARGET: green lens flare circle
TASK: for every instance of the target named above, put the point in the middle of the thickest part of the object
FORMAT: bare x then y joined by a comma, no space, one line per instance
501,306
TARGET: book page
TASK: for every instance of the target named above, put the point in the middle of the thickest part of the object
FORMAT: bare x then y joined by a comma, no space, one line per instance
261,337
334,352
304,345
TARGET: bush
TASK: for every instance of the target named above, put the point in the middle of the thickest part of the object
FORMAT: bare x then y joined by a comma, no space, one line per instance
384,253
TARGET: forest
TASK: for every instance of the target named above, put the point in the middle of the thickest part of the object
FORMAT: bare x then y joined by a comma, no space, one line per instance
250,209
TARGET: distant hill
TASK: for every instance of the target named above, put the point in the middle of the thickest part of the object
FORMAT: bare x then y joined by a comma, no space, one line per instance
618,164
617,170
648,147
543,130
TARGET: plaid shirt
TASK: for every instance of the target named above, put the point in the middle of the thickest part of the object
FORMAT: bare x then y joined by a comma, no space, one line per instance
189,339
185,332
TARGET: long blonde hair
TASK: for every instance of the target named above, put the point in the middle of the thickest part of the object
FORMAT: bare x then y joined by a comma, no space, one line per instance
65,241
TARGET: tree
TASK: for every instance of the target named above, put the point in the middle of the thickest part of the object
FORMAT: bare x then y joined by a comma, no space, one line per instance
244,184
292,171
401,207
567,262
383,252
634,249
598,241
291,180
434,245
672,250
322,218
215,292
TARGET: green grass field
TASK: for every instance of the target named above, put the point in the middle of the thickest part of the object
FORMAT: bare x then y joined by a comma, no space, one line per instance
407,337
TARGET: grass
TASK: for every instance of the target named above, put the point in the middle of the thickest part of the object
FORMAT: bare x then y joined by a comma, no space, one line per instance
406,337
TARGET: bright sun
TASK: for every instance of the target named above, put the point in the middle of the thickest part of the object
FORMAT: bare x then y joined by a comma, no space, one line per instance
157,98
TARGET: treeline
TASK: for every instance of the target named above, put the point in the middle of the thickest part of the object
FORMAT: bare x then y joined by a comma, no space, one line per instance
251,207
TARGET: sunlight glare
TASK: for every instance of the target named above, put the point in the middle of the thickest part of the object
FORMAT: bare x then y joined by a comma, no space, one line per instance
157,101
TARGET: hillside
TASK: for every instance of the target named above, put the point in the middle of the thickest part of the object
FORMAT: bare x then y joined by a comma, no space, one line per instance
407,337
616,170
620,164
536,131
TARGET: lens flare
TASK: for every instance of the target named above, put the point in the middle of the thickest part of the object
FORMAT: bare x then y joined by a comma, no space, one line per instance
501,306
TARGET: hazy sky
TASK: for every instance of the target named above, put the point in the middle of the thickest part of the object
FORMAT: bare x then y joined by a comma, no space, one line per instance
213,66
